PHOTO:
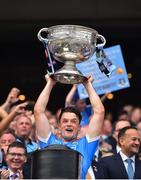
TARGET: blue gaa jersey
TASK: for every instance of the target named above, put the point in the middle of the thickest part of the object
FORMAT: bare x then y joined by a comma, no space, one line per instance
85,116
83,146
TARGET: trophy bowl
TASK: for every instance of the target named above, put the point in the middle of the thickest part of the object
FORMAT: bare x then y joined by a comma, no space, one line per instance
70,44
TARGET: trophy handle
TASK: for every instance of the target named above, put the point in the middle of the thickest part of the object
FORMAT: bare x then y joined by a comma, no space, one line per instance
40,36
102,38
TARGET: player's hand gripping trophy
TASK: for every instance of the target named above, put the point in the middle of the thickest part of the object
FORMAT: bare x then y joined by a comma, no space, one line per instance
70,44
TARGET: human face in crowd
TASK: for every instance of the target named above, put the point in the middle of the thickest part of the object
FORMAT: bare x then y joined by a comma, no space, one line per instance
48,114
80,105
6,140
119,126
130,143
53,121
15,158
128,108
135,115
124,116
69,126
54,125
23,127
107,127
139,128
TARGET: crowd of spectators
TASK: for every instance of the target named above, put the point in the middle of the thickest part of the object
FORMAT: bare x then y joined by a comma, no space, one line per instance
18,138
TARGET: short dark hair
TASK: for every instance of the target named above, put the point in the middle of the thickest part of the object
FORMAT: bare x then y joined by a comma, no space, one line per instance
120,120
17,144
123,112
71,110
123,131
30,105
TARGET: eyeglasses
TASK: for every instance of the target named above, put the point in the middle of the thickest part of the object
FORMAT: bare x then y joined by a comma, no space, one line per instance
16,154
6,142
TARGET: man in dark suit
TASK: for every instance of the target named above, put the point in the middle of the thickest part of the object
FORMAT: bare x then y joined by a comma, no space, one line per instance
125,164
15,158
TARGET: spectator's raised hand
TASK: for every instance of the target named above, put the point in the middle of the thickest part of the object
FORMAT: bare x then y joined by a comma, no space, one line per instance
3,113
4,174
13,96
20,174
20,108
11,99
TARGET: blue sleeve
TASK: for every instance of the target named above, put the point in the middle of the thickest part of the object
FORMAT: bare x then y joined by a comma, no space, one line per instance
85,119
44,144
87,149
89,110
85,116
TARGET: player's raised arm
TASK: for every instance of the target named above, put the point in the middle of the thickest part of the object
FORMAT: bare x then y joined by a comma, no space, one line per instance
70,95
42,124
97,118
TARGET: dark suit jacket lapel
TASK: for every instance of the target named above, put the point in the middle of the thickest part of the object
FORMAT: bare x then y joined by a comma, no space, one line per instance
137,174
120,166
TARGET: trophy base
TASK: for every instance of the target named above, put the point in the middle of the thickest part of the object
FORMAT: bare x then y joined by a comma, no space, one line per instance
69,77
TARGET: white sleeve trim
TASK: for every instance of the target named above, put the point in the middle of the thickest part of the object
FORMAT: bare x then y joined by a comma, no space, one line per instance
45,139
91,173
92,139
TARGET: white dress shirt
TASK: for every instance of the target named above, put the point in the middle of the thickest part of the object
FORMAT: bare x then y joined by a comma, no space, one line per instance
11,173
124,158
118,149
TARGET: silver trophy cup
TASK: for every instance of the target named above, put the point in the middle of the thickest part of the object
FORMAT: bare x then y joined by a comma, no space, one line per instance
70,44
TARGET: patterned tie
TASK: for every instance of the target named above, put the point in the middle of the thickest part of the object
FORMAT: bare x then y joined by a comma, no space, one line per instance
130,170
14,176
